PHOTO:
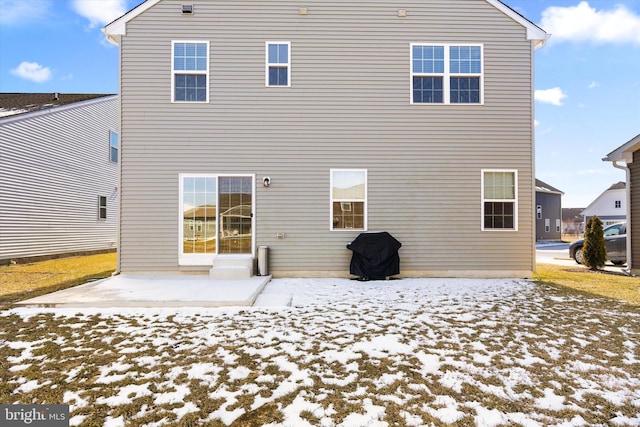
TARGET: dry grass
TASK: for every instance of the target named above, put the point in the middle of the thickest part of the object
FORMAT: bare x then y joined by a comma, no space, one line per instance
601,283
22,281
320,363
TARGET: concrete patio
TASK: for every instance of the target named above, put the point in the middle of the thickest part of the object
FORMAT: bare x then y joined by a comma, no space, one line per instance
156,290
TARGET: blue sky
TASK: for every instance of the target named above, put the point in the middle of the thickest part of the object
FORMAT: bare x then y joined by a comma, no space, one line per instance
587,76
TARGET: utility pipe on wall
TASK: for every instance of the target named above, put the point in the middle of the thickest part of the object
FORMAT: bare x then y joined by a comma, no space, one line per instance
627,171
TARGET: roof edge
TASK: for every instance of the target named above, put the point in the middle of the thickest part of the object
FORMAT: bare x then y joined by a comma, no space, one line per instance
56,109
118,27
534,33
624,152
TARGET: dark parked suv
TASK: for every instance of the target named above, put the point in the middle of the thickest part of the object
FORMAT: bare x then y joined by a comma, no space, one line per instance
615,237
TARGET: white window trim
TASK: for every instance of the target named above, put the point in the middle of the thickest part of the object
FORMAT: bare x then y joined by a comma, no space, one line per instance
446,76
558,226
111,147
515,200
102,207
267,64
547,225
365,200
207,259
194,72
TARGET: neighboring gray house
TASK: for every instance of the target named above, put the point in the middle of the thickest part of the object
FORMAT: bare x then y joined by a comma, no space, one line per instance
629,154
610,206
323,121
59,174
548,212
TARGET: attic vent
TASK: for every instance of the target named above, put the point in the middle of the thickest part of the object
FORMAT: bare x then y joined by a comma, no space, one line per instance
187,8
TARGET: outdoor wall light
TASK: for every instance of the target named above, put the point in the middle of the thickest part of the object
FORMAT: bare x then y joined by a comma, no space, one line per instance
302,11
266,181
402,13
187,8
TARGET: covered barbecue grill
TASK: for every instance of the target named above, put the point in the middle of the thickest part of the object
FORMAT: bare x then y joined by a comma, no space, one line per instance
375,256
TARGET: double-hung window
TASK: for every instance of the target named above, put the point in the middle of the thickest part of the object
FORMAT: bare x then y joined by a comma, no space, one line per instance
102,207
446,74
190,71
348,199
499,200
278,64
113,146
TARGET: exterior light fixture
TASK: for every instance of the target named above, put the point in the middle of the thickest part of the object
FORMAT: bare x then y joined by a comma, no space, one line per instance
187,9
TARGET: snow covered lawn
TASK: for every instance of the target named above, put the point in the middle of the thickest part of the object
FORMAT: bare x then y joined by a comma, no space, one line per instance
404,352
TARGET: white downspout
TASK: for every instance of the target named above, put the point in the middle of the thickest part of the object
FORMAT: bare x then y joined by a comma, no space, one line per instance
628,201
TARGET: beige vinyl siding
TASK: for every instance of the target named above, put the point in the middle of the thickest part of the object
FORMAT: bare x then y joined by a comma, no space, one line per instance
54,165
348,107
634,210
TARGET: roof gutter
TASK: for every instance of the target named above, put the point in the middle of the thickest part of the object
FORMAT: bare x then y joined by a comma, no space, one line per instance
627,171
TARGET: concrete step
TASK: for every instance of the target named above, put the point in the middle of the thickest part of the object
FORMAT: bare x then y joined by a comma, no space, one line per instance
232,267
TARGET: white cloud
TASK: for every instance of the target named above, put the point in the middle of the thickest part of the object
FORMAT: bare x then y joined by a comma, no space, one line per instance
553,96
536,122
17,12
32,71
585,23
100,12
593,84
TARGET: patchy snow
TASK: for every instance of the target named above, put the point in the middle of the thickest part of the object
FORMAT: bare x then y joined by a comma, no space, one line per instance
329,352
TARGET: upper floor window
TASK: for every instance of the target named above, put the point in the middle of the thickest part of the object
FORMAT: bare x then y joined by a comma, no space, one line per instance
278,64
348,199
499,200
113,146
446,74
618,204
190,71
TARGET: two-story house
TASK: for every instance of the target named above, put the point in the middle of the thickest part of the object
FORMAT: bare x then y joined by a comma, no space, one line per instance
610,206
58,175
299,126
548,212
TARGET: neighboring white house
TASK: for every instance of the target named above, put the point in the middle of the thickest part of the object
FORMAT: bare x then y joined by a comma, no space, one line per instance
58,174
610,206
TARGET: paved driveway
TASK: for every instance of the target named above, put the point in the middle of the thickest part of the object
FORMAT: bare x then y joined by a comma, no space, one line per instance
558,253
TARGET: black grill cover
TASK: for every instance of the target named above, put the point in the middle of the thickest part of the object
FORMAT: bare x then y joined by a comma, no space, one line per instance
375,256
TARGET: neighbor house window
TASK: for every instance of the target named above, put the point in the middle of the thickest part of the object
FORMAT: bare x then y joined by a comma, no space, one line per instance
539,212
547,225
446,74
618,204
557,225
499,200
190,71
348,199
113,146
278,64
102,207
